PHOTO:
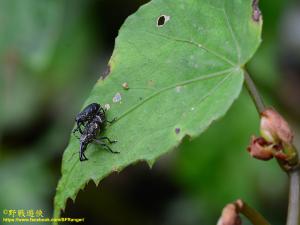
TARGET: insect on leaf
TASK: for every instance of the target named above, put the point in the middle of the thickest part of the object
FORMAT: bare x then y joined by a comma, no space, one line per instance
177,66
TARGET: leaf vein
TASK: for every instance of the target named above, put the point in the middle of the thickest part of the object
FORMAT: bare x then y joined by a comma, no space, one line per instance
204,77
197,45
233,35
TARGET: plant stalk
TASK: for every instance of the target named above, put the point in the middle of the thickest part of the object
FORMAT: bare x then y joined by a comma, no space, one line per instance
293,217
257,99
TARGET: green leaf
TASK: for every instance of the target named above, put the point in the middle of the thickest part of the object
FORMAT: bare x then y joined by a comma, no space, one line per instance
182,76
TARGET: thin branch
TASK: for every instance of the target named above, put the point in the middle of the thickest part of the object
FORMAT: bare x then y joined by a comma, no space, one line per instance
259,104
255,217
293,217
231,214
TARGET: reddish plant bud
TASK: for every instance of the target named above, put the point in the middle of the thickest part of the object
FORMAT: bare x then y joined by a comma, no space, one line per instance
259,148
274,128
276,140
281,155
230,216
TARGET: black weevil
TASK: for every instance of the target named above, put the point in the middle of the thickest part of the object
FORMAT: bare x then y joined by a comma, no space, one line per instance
93,119
90,134
88,114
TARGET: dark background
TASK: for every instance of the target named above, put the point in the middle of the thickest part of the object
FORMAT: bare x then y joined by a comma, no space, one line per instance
51,54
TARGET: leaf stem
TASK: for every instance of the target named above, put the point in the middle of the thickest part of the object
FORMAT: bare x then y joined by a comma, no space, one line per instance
293,217
259,104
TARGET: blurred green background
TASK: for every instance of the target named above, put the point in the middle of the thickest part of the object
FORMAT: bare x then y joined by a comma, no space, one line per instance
51,54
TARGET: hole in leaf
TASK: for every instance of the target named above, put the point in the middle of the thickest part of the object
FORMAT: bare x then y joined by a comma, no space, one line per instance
162,20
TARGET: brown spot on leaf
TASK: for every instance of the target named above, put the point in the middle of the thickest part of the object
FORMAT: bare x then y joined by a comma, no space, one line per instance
151,83
177,130
125,86
256,14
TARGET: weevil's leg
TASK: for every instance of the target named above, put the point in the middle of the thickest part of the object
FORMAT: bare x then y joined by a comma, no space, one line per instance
75,135
78,128
103,110
105,146
106,138
75,130
111,121
109,149
85,158
99,119
82,157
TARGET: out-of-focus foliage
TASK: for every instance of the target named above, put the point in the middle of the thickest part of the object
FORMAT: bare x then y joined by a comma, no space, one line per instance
44,47
27,43
47,52
26,184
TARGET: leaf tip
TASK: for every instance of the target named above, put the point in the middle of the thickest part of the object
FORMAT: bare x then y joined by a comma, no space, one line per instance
150,162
